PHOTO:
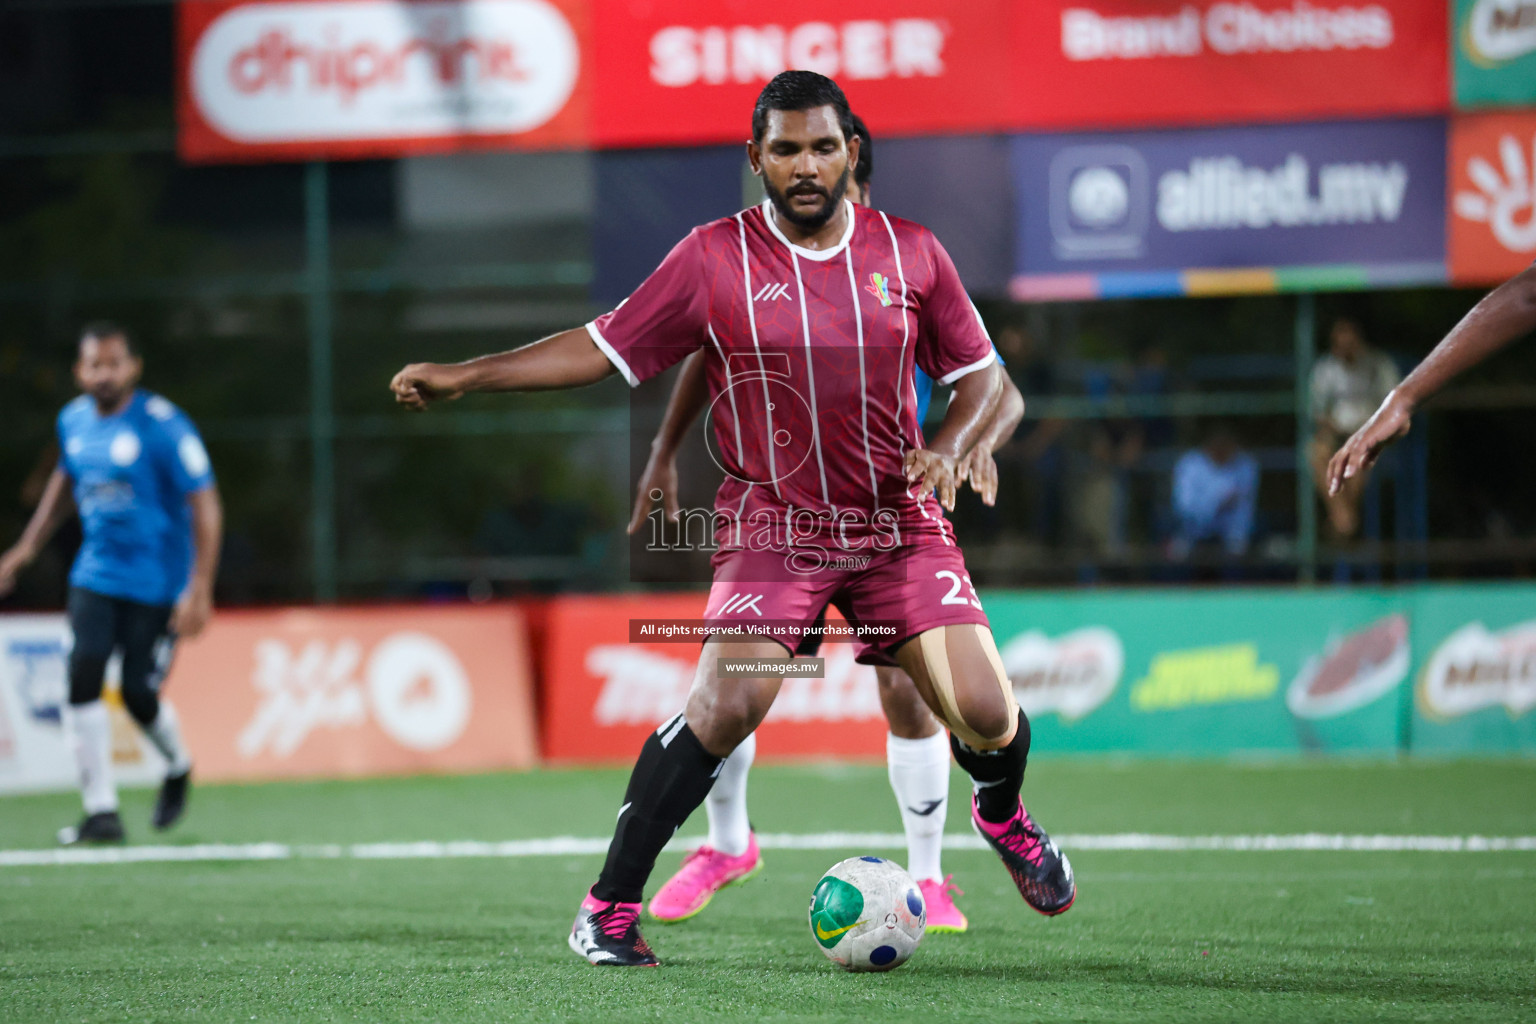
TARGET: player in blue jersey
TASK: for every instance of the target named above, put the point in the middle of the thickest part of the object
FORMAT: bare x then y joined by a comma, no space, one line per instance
135,468
917,751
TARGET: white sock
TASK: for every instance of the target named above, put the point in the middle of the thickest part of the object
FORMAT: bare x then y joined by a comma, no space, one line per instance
165,733
919,772
90,732
726,805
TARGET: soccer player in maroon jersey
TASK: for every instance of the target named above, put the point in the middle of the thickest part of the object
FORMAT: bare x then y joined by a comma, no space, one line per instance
830,487
1501,316
917,750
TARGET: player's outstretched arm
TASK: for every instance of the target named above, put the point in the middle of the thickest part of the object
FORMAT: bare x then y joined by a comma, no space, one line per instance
970,409
569,359
195,606
56,506
1504,314
979,467
689,396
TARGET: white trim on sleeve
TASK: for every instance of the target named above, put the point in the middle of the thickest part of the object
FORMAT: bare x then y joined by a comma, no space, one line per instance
613,356
980,364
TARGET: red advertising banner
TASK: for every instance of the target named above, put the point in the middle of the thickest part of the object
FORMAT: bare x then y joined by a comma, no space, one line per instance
1492,208
303,79
324,79
1124,63
328,693
689,71
603,694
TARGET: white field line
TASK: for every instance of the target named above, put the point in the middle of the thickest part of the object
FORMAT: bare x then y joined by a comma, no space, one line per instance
567,846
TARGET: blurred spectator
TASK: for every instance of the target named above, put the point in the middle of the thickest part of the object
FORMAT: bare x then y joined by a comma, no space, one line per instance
1215,489
1112,446
1348,383
1149,376
1036,446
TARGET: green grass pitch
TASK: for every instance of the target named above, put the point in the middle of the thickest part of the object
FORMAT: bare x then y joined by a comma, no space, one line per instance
1155,936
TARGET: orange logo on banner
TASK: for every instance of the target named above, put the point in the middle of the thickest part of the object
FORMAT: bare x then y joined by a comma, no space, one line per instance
1492,228
325,693
603,694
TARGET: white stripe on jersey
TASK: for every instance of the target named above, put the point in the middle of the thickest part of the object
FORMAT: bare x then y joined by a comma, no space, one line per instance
906,327
858,320
901,275
810,372
746,281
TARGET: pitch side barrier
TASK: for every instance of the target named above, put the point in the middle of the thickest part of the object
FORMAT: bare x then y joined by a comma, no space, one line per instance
336,693
1433,669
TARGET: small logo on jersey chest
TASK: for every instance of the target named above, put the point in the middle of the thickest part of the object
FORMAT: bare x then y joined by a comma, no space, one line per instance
880,287
771,292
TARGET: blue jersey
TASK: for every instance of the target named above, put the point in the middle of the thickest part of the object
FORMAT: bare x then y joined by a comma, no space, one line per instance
132,473
923,385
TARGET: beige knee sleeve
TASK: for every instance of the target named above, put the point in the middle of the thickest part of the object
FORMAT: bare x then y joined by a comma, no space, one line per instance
934,646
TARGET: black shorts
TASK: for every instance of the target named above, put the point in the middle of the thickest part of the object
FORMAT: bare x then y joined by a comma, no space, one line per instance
105,625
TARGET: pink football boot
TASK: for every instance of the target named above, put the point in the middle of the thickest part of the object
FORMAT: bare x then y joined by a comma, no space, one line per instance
705,871
943,915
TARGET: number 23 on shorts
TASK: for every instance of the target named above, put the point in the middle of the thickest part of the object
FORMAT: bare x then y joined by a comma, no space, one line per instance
959,582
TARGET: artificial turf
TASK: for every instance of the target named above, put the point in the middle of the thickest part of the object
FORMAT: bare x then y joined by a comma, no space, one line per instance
1173,935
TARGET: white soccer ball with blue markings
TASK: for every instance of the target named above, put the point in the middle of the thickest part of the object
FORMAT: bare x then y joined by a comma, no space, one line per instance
867,914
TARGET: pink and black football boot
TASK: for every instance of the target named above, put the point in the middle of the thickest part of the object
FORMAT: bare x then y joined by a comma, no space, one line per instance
1041,871
608,934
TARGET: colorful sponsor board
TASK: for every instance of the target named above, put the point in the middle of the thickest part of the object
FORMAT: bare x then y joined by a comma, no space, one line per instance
307,693
1494,47
1229,210
1492,209
1127,63
338,693
689,72
603,694
305,79
34,752
1210,673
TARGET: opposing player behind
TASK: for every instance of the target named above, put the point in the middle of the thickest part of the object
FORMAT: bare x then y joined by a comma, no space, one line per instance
917,751
1504,314
134,467
830,489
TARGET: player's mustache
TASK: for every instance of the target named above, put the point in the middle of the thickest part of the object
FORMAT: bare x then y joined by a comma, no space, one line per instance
809,190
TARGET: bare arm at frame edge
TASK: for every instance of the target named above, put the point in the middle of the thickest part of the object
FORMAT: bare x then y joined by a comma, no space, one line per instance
1504,314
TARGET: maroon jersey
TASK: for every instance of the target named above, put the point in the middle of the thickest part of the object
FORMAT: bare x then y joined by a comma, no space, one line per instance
810,369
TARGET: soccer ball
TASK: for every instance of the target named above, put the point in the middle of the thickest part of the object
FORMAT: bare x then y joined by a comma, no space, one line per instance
867,914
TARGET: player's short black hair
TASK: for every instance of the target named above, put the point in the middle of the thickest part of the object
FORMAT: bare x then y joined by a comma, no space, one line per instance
866,165
107,329
800,90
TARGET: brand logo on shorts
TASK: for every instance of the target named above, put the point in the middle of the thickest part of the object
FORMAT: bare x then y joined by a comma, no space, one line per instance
739,604
880,287
771,292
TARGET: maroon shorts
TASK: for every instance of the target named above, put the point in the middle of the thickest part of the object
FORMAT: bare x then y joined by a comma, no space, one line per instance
895,594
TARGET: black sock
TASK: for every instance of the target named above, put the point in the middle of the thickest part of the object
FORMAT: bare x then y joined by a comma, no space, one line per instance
1000,773
671,778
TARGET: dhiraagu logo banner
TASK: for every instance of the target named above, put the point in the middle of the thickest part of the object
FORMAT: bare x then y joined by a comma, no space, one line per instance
1494,53
1219,672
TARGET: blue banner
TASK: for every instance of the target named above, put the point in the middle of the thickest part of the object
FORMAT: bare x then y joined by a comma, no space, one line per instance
1178,212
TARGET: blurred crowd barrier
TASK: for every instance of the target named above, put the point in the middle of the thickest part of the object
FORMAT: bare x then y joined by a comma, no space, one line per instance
323,693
